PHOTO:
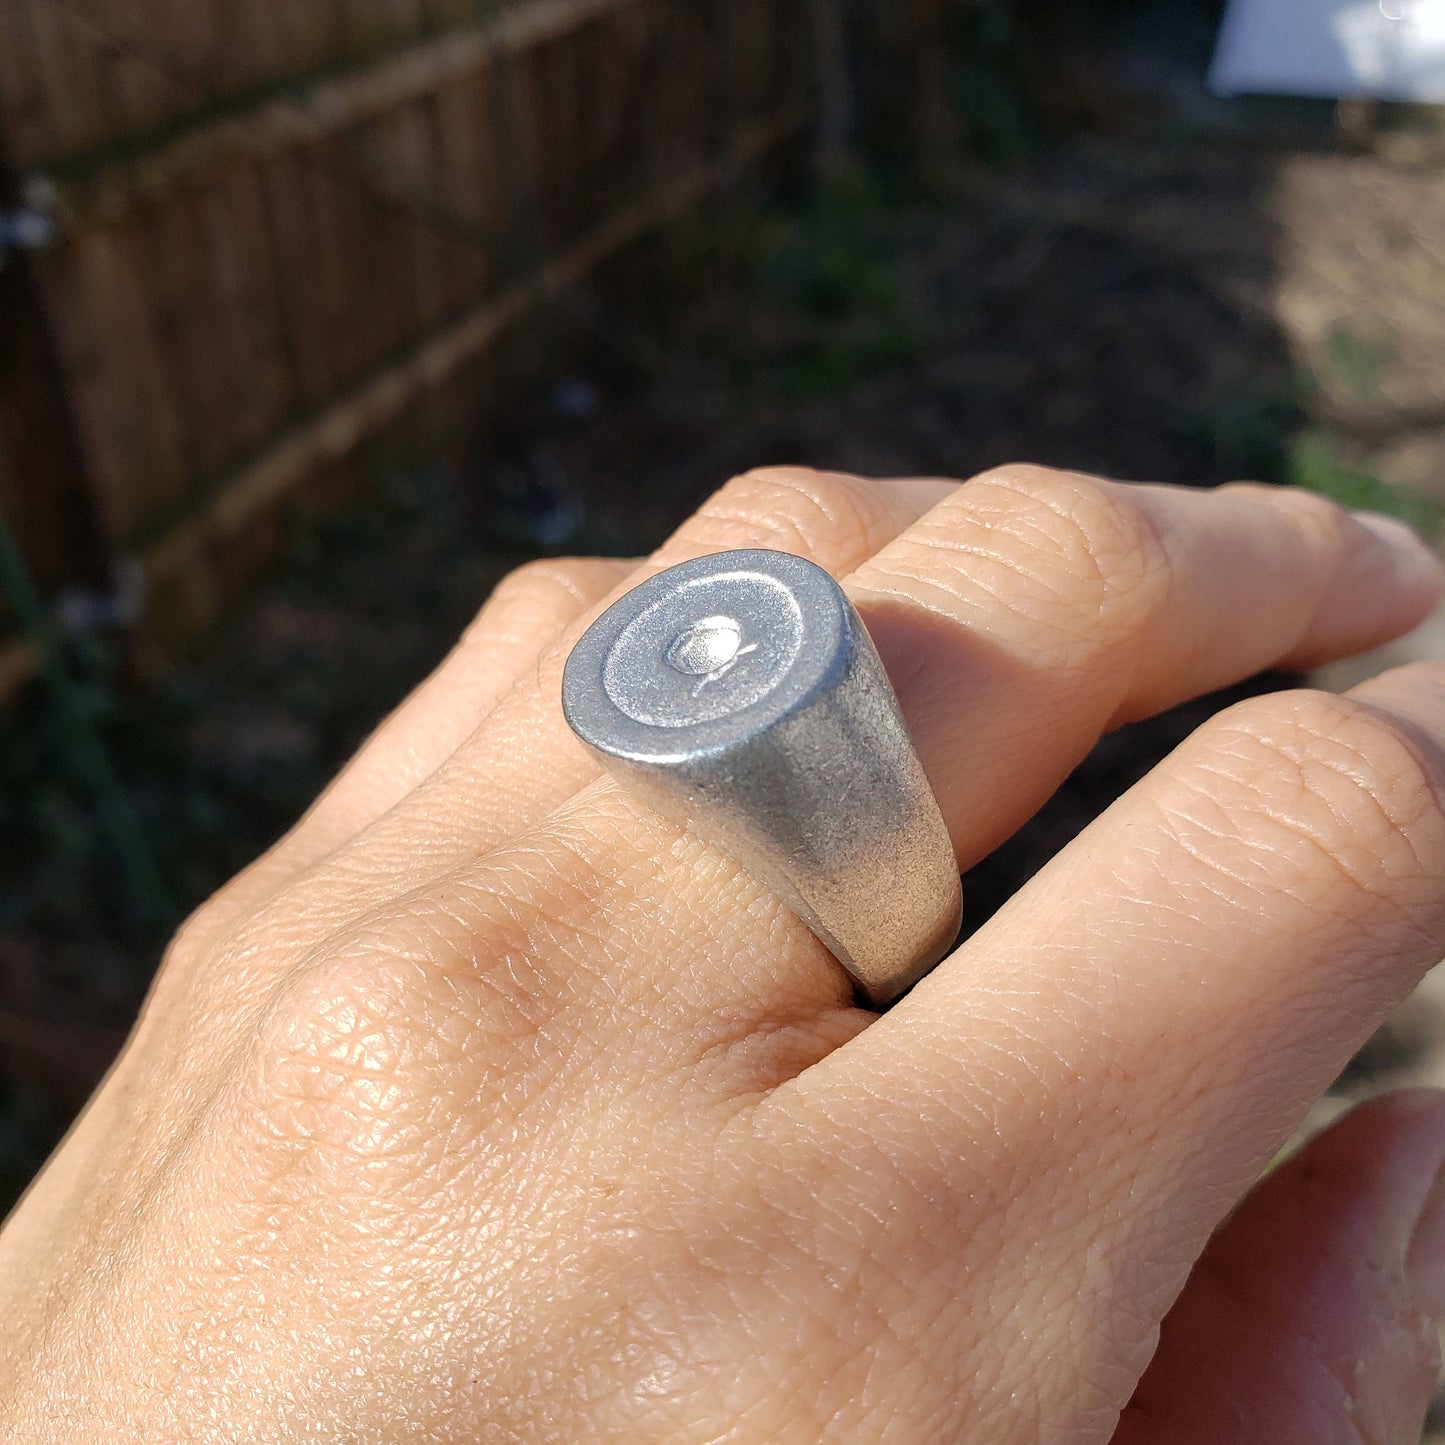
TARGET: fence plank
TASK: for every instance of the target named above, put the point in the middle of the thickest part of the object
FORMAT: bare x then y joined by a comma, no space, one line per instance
378,240
131,65
449,14
403,17
373,25
375,241
339,221
66,52
413,147
131,436
681,139
300,264
389,190
246,45
43,488
310,33
24,116
193,42
194,365
105,70
242,309
257,270
383,397
469,175
545,74
616,92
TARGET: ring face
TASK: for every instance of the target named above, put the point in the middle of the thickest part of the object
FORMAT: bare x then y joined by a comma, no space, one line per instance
704,654
740,694
704,650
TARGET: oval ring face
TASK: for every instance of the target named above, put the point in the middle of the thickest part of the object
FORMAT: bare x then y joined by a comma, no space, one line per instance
708,648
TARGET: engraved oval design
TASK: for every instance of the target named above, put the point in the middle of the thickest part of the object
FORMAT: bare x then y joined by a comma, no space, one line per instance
706,650
705,646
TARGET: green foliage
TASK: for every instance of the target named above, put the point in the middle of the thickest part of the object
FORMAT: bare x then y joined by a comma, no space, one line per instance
988,87
1315,464
1354,360
809,298
1250,433
1267,436
830,259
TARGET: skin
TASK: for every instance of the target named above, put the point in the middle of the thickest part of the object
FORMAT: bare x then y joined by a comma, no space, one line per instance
489,1106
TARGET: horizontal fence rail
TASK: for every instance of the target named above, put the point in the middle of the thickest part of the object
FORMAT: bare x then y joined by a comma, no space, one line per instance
247,282
78,76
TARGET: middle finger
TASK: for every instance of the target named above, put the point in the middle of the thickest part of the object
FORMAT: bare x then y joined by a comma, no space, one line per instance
1035,609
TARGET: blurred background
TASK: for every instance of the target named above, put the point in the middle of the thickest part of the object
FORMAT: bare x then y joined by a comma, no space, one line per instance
316,316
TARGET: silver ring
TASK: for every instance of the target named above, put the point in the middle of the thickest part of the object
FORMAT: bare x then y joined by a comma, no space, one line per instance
740,695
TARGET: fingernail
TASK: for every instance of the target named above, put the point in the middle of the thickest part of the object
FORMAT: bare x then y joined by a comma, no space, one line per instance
1425,1258
1398,536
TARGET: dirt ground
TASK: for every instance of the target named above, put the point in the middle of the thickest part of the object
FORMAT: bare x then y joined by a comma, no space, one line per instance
1247,290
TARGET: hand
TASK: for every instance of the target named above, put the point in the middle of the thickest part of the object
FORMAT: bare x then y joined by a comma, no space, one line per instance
489,1106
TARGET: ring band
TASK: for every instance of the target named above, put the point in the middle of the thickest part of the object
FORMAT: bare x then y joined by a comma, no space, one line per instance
740,694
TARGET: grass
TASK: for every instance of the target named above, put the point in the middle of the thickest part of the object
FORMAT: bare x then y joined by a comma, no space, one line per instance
1315,464
805,299
1274,435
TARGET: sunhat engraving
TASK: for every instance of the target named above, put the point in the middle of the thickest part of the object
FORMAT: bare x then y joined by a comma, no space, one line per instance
704,651
708,650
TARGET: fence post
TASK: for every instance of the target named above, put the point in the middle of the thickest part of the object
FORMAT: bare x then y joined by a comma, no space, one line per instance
45,491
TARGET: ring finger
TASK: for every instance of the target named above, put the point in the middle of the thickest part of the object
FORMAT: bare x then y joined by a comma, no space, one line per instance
477,780
1030,604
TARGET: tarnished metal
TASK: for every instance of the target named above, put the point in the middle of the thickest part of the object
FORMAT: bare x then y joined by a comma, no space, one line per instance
740,694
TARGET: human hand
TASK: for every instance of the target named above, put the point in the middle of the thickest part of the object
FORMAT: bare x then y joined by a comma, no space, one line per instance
490,1106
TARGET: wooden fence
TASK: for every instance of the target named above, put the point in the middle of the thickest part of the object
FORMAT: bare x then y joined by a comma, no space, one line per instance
278,223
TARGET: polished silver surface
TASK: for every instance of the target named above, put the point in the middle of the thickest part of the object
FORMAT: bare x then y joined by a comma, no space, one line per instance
740,694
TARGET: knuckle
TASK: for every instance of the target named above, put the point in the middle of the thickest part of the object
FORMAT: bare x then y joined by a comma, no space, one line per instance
365,1045
547,580
210,926
545,593
797,509
197,931
1344,779
1310,510
1320,524
1090,545
326,1068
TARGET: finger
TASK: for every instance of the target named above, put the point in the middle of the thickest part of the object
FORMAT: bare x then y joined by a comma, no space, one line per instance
1027,600
1310,1318
524,615
1050,607
1110,1061
1025,604
523,761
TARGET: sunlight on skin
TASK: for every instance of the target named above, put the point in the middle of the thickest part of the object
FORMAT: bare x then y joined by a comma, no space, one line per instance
491,1105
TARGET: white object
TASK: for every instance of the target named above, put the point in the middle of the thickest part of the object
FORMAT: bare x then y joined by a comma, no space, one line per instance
1386,49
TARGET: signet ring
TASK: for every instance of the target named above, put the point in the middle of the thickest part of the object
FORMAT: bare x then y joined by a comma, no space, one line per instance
740,695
